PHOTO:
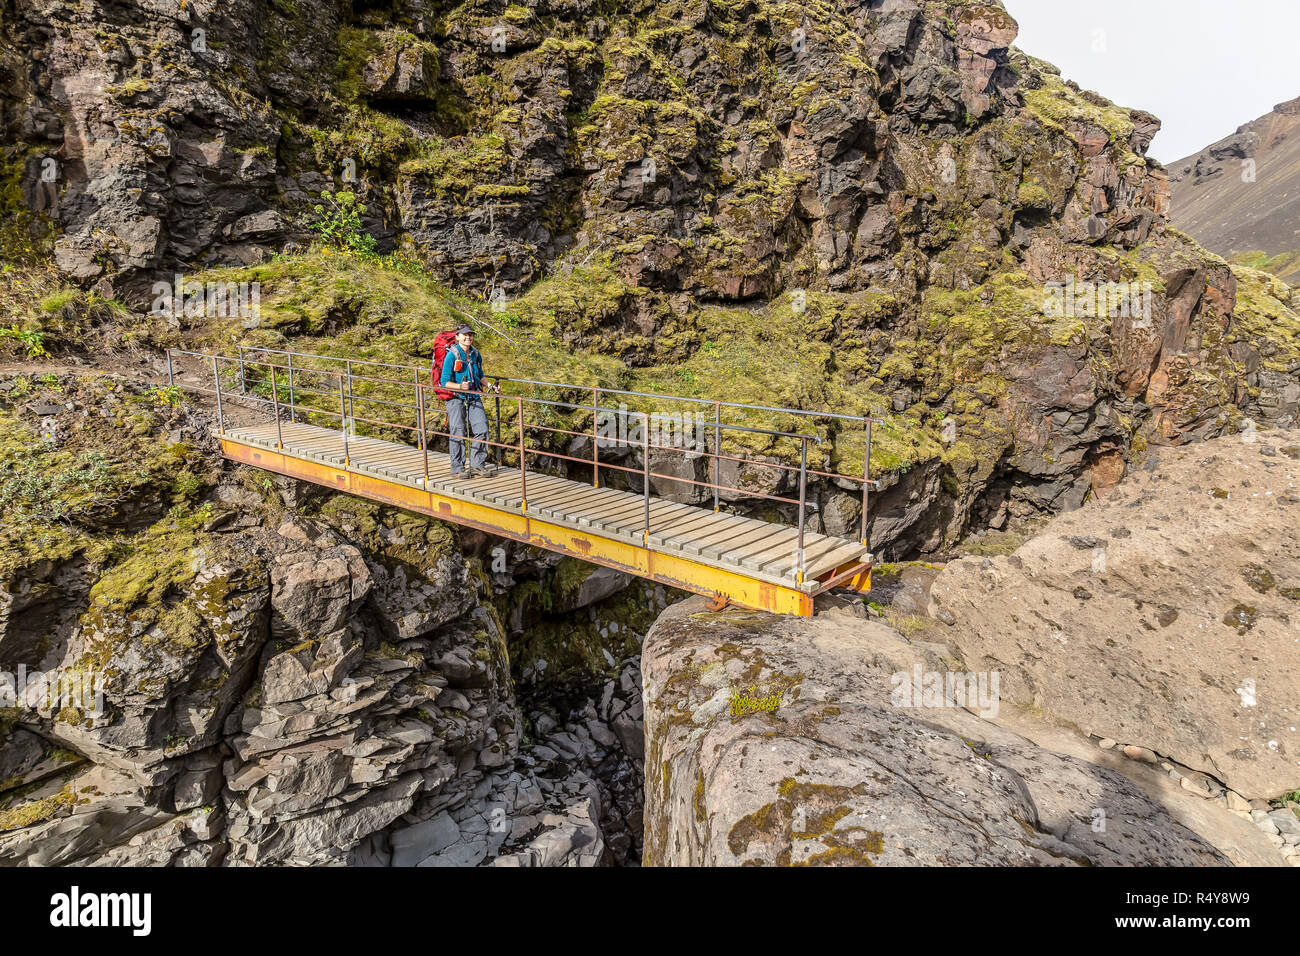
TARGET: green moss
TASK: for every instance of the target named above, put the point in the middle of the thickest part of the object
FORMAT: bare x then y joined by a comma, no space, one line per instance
1284,265
17,812
1033,195
744,703
1057,104
63,493
24,236
1263,317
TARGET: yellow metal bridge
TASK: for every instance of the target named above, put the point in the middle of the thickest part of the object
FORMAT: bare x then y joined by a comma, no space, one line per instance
611,518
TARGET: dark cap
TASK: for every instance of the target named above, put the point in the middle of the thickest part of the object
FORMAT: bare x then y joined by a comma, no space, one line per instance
464,328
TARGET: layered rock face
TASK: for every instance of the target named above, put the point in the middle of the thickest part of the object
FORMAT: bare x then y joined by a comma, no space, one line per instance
285,676
785,741
931,215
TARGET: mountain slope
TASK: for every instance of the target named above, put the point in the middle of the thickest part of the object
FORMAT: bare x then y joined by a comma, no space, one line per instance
1215,199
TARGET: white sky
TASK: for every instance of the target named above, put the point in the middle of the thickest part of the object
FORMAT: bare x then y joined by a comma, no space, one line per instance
1204,67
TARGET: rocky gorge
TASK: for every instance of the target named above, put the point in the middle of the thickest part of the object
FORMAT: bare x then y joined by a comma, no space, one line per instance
294,680
881,208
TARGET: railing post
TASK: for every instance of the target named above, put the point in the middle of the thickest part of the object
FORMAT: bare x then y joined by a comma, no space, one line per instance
275,407
416,383
171,378
424,441
523,479
595,436
645,474
866,480
717,450
349,424
289,355
243,380
803,497
216,379
343,421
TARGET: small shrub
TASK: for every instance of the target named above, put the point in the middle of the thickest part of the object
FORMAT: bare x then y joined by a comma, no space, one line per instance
33,340
338,222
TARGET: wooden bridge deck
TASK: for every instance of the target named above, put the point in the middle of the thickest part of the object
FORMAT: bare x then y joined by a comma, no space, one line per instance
751,562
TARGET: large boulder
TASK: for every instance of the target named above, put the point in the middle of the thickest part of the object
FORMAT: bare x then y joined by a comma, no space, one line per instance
789,741
1162,615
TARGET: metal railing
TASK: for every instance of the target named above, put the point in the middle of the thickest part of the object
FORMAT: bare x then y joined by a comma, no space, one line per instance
334,393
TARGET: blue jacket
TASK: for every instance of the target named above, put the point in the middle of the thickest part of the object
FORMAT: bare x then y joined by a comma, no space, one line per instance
472,372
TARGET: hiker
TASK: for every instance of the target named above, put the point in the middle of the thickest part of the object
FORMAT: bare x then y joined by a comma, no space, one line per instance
462,371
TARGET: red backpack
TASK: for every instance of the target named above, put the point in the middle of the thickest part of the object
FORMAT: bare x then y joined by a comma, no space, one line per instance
441,346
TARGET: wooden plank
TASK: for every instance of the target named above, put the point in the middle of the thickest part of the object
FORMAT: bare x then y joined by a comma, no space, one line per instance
662,514
624,511
841,555
571,508
724,542
773,540
693,526
667,513
781,545
816,545
755,545
786,565
737,524
558,501
606,509
379,459
701,531
589,503
506,492
403,464
503,487
659,510
314,442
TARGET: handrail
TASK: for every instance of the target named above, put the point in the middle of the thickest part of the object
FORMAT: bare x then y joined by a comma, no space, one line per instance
807,413
346,381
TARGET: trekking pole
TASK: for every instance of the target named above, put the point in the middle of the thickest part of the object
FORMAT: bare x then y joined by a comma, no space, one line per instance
803,497
645,474
595,436
523,480
216,379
